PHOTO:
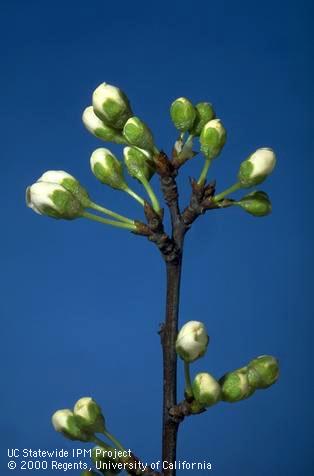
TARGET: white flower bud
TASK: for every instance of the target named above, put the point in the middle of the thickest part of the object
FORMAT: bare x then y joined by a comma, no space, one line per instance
206,389
99,129
213,138
111,105
89,416
65,422
53,200
108,169
70,183
192,341
257,167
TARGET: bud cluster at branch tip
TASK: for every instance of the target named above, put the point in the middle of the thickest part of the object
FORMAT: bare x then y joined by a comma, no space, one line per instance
192,341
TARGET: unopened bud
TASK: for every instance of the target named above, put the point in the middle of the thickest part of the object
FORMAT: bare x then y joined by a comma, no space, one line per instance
192,341
204,114
65,422
235,386
213,138
206,389
70,183
183,114
108,169
111,105
89,415
256,168
256,203
53,200
138,134
138,163
263,371
99,129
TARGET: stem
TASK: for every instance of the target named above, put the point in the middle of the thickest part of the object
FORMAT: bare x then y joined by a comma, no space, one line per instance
150,193
169,335
229,190
110,213
188,383
114,440
118,224
101,443
134,195
204,172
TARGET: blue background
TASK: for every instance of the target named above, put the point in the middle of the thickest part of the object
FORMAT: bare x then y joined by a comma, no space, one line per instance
82,303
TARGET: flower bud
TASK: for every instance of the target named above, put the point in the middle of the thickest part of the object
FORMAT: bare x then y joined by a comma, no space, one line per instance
256,203
99,129
183,114
70,183
107,168
89,415
213,138
263,371
111,105
138,134
53,200
137,163
235,386
206,389
256,167
192,341
65,422
204,114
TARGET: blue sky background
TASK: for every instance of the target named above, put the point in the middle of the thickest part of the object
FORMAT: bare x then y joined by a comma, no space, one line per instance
81,303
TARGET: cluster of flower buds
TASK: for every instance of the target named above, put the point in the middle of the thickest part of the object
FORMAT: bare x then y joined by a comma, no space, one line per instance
82,423
260,373
58,195
110,118
198,120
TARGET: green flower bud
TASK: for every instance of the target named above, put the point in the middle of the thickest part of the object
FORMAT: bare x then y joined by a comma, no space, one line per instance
89,415
192,341
263,371
108,169
99,129
136,161
204,114
235,386
256,168
256,203
111,105
138,134
65,422
70,183
53,200
213,138
206,389
183,114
